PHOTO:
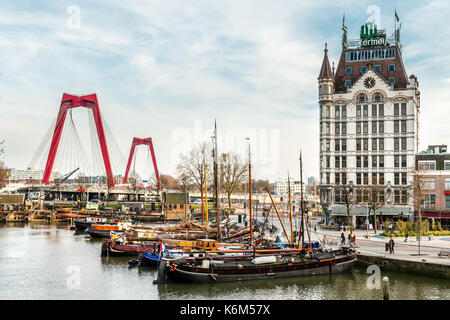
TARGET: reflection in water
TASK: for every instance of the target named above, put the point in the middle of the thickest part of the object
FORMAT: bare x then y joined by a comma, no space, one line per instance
37,262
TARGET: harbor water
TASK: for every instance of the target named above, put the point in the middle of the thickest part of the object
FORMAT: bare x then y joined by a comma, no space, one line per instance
52,262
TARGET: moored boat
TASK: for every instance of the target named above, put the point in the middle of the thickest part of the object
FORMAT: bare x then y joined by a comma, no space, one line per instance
252,267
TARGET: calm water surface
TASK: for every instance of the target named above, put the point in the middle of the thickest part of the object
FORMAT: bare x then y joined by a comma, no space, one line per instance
43,261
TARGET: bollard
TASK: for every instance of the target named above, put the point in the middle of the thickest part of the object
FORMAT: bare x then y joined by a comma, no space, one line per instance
385,288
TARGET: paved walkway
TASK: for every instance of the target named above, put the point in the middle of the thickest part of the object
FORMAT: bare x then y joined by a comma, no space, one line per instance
375,245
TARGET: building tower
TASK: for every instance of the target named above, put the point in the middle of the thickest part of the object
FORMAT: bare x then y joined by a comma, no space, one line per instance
369,112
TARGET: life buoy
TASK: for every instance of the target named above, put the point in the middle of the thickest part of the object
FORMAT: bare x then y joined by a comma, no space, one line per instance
173,267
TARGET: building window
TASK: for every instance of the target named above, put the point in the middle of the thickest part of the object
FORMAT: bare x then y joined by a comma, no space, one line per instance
328,144
403,109
391,81
328,111
348,70
377,68
362,97
358,178
381,126
336,145
374,178
374,161
344,111
344,145
366,178
427,165
365,127
358,110
337,111
381,178
366,161
374,110
365,144
404,178
381,162
403,143
396,178
396,144
374,144
358,144
336,162
348,83
403,161
403,125
391,67
396,161
446,165
447,201
328,162
336,179
395,109
396,126
344,178
365,110
374,127
344,128
328,178
358,162
344,162
377,97
336,128
381,110
381,144
447,184
363,69
328,128
429,201
397,196
358,127
429,183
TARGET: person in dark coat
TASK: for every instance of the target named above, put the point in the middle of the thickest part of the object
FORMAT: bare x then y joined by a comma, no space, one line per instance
342,238
391,245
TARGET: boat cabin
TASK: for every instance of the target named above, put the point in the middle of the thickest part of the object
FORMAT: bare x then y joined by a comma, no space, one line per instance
206,244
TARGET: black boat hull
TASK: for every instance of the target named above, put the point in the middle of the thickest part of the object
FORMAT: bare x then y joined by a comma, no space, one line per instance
309,269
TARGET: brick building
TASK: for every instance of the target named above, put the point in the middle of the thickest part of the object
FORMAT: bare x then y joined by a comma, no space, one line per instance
433,167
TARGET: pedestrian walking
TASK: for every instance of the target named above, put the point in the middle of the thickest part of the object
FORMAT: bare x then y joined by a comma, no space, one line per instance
324,240
354,239
406,236
342,238
350,238
391,245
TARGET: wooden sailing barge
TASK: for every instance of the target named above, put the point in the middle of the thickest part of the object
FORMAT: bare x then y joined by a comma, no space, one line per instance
259,265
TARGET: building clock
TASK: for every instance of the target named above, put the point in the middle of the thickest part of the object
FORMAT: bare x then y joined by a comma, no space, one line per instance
369,82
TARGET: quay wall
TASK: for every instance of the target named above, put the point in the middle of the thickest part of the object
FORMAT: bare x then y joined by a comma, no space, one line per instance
417,267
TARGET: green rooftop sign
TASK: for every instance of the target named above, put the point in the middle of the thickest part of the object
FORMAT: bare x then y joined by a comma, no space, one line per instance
369,30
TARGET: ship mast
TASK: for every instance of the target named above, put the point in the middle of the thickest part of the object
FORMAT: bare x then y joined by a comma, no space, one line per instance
216,180
290,209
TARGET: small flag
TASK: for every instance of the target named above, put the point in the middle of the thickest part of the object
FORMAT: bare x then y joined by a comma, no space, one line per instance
162,247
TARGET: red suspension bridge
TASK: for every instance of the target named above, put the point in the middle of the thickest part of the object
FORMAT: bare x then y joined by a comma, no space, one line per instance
62,149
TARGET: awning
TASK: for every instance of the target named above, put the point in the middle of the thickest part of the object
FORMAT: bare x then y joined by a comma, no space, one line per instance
339,210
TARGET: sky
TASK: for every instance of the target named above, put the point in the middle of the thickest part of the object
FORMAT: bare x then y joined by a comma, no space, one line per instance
169,69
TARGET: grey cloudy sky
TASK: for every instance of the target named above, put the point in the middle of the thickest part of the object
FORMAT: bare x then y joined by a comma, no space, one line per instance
167,69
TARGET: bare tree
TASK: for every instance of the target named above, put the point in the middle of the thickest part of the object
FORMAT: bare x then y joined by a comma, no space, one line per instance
348,198
3,173
417,190
133,186
191,164
233,174
375,200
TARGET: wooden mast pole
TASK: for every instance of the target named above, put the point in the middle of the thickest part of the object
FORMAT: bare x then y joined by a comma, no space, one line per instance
206,196
302,228
279,217
250,193
290,209
216,180
201,194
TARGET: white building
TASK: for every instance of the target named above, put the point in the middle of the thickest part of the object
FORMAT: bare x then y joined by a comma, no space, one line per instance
369,112
282,187
24,175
